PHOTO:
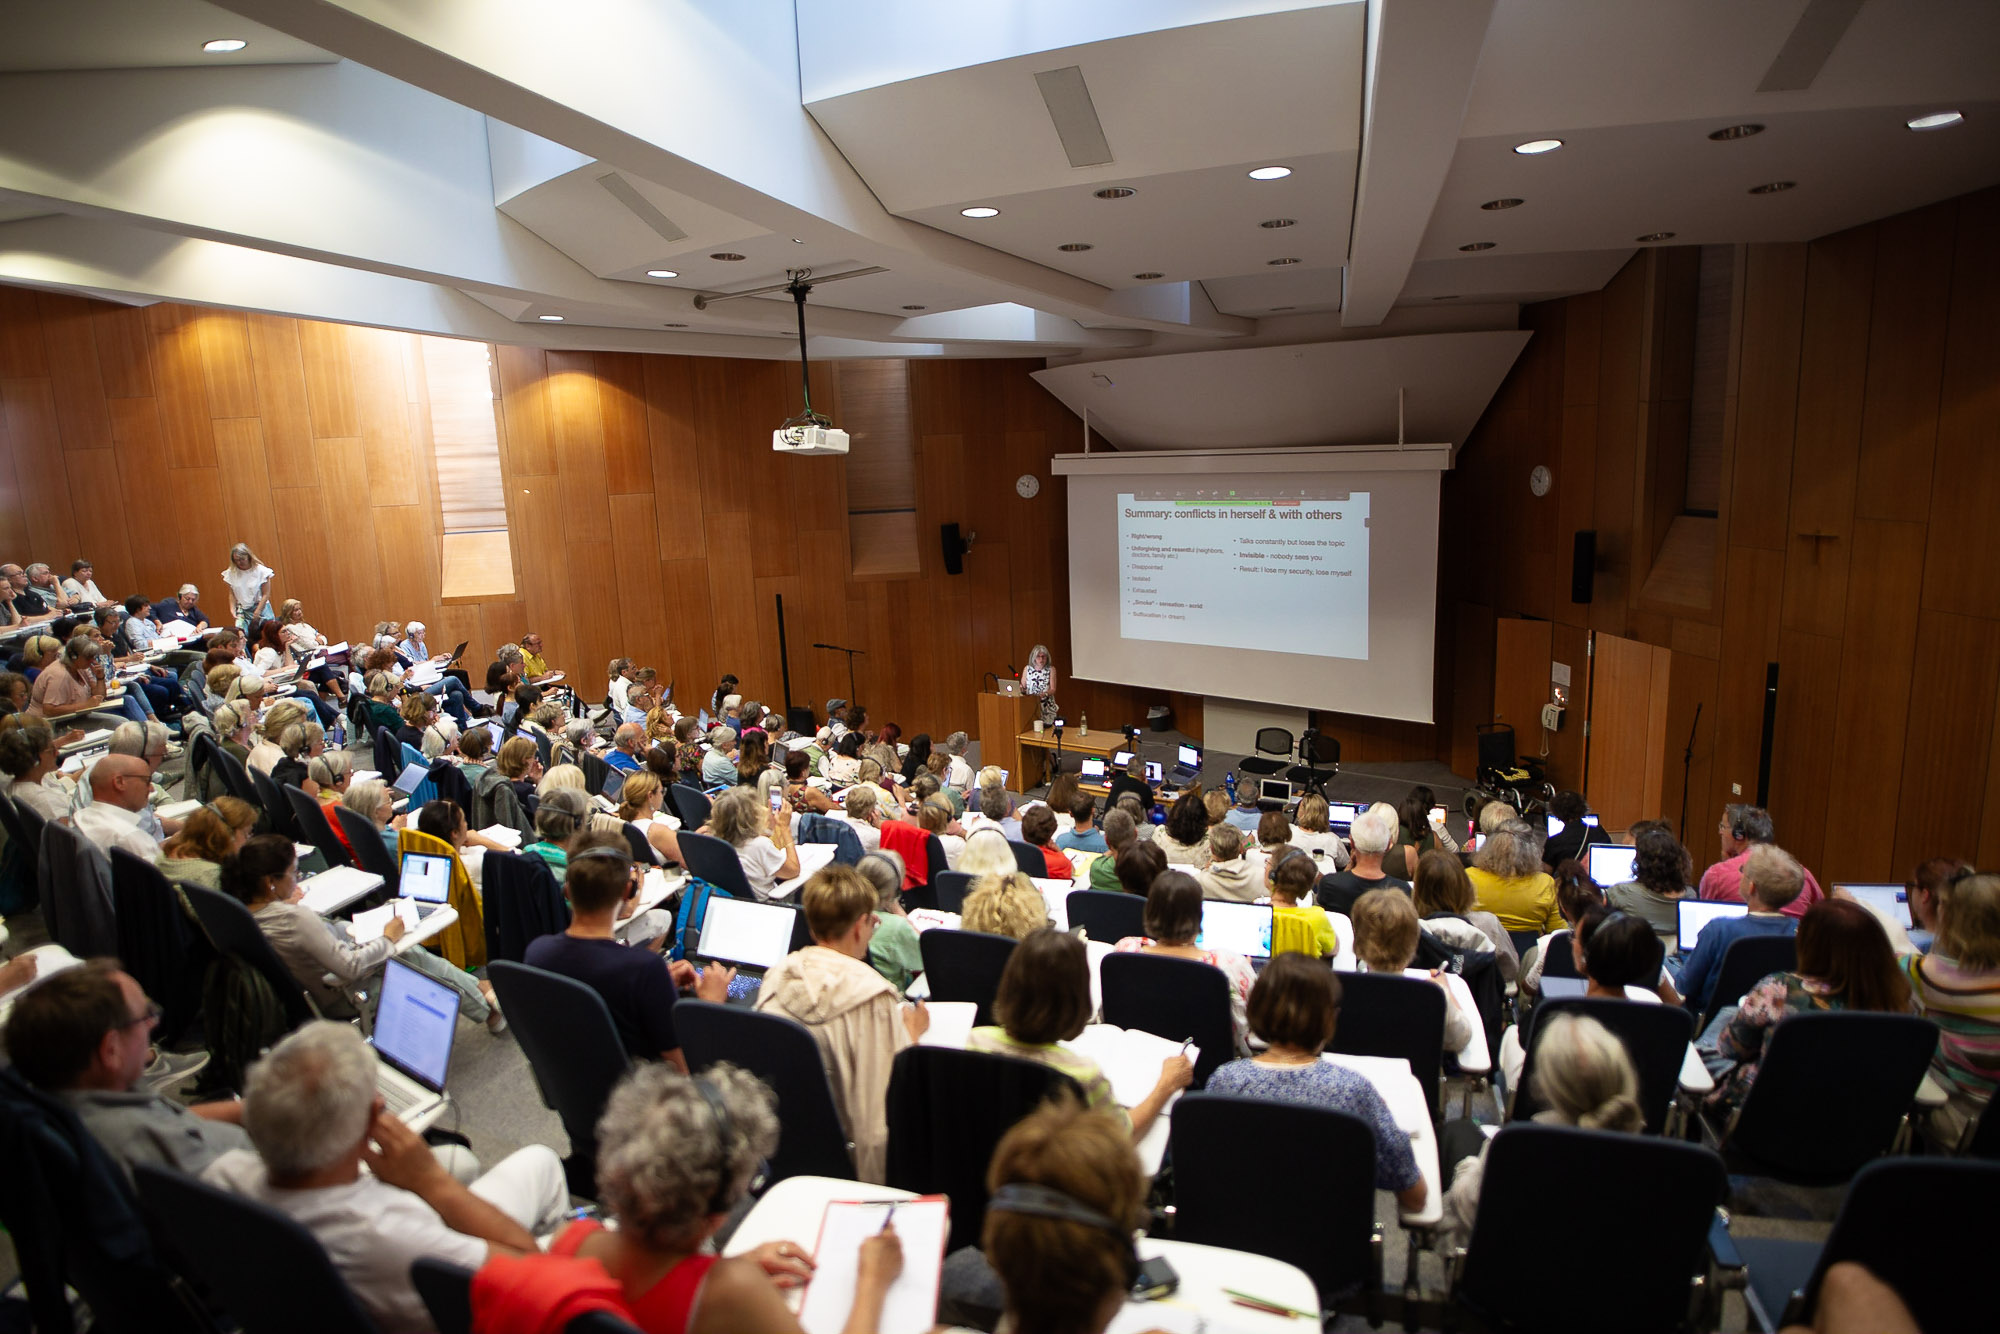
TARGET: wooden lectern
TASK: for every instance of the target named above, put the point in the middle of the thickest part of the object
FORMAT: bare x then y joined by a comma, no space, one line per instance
1002,718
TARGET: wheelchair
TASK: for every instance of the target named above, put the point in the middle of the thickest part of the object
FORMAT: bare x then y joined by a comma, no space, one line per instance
1521,782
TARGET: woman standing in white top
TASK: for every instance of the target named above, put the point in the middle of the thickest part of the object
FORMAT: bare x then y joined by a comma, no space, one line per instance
249,581
1038,680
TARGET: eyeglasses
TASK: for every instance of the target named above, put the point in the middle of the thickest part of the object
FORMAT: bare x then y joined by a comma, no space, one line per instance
153,1015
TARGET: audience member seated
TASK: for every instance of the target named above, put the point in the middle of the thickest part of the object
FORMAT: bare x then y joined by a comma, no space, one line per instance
861,810
987,852
1313,832
893,952
1038,827
1844,963
718,767
376,800
1294,1009
1288,877
183,606
851,1009
1660,873
1138,867
1044,1000
1509,882
1958,985
562,816
85,1034
1083,835
208,838
293,743
639,986
71,684
1272,835
331,773
1119,832
1004,903
18,605
1372,832
121,787
1583,1077
263,877
29,758
1575,896
675,1157
639,803
1742,829
314,1117
1385,941
1770,879
1173,921
1229,874
382,712
1419,829
934,817
1572,842
1442,895
763,842
1184,839
995,811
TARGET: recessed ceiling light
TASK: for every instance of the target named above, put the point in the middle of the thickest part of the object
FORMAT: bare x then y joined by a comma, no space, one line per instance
1281,261
1773,187
1495,205
1654,236
1479,245
1115,192
1148,276
1534,146
1937,120
222,46
662,273
673,326
1728,132
981,212
1074,246
729,255
1272,224
551,319
916,307
1270,173
798,241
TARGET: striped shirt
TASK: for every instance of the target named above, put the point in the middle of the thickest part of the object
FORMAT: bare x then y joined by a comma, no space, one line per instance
1965,1003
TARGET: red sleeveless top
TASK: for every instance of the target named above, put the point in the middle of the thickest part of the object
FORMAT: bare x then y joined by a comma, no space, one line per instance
667,1306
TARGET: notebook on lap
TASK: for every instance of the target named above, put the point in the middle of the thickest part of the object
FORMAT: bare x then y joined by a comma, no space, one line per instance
416,1019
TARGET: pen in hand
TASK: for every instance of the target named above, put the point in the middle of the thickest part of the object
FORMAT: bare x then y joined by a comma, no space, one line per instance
888,1218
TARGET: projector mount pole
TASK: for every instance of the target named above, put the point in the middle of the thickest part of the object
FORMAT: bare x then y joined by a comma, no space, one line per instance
799,287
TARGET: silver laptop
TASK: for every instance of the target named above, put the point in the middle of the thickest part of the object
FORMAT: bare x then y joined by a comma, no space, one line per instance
1696,914
425,877
1009,688
1093,771
1240,928
416,1019
1274,789
1890,900
1613,865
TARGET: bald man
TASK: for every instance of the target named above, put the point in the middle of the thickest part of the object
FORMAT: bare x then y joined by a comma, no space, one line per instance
120,787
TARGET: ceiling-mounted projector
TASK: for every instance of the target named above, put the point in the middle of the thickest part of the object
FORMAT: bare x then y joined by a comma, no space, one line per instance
809,438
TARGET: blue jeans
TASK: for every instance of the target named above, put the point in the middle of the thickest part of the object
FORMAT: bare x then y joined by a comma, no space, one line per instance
451,691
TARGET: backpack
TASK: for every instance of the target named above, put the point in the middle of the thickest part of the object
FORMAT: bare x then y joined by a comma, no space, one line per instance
689,910
242,1017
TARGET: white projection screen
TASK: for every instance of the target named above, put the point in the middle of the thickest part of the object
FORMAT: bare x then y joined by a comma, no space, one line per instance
1298,577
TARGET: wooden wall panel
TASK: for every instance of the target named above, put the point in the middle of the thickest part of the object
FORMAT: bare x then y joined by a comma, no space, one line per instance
1803,760
124,350
182,387
36,441
1767,395
282,402
247,508
142,471
1948,750
24,352
74,373
628,456
329,380
1909,309
223,339
1962,571
93,475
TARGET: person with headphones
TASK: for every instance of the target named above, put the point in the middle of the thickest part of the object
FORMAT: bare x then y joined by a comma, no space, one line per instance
674,1157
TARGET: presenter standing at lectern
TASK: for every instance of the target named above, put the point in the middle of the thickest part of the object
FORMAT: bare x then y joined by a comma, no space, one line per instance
1038,680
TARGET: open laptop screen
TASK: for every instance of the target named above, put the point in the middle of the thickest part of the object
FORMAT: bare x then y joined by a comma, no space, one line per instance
1188,757
425,876
753,935
1612,866
415,1019
1240,928
1891,900
1696,914
1274,789
1093,771
1153,774
1342,812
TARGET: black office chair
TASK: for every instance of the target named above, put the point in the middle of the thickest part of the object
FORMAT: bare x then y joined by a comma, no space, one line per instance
520,902
1323,1220
950,888
310,817
451,784
1558,959
965,966
1321,754
784,1055
947,1112
371,854
264,1268
1106,917
1177,999
1655,1195
277,813
600,1322
388,755
1387,1014
595,772
231,930
75,1224
1922,1226
1523,941
1274,752
574,1050
75,879
642,850
693,805
1028,859
1866,1065
716,862
157,944
447,1292
1656,1037
1745,963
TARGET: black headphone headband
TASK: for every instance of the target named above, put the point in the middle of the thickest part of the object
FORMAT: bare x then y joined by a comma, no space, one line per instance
1023,1197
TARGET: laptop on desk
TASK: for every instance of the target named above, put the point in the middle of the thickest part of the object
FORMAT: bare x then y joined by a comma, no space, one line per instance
1696,914
1240,928
1340,814
1008,688
426,878
1612,865
1093,771
748,936
416,1020
1187,764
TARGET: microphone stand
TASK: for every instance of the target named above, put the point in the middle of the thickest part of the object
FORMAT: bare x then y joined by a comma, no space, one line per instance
850,652
1058,756
1687,764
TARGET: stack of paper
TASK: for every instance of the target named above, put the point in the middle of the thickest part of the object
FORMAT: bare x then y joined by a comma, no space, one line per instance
503,834
367,926
330,891
951,1024
922,1225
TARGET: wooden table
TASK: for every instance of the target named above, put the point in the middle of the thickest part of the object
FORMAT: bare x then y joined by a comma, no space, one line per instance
1100,744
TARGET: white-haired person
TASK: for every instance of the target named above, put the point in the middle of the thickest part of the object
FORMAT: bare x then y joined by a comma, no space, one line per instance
449,690
987,852
675,1155
893,952
718,767
311,1109
763,841
1373,831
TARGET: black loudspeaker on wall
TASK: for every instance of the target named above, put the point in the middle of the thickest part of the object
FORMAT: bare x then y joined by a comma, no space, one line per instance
1583,565
955,547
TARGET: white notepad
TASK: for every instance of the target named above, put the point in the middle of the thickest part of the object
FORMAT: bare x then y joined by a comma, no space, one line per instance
503,834
368,926
911,1305
1130,1058
330,890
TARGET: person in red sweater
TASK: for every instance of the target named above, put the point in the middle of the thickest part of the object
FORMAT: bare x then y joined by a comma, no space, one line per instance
1038,828
1743,828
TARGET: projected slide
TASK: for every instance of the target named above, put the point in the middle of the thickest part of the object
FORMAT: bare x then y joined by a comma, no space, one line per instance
1276,567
